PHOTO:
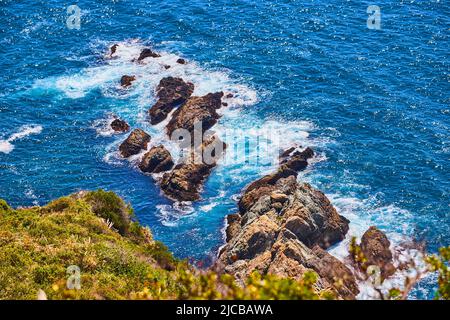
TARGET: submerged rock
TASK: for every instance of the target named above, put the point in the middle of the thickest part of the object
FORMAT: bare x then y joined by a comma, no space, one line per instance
375,247
145,53
196,110
158,159
171,92
126,81
119,125
136,141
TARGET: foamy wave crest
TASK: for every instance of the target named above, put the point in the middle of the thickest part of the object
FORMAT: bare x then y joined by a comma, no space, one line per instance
148,73
169,215
6,146
254,146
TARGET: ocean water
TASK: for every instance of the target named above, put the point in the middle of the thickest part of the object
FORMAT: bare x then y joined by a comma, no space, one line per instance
374,104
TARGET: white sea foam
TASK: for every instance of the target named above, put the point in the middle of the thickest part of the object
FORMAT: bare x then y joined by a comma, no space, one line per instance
169,215
6,146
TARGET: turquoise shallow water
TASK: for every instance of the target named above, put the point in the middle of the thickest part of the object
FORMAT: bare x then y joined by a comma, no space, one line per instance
373,103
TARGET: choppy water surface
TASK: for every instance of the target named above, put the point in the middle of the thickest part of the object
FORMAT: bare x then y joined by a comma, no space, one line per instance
373,103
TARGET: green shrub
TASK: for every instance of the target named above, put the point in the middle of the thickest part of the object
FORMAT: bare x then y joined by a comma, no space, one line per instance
110,207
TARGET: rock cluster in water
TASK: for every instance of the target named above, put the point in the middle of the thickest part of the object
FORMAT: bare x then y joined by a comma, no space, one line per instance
182,181
283,226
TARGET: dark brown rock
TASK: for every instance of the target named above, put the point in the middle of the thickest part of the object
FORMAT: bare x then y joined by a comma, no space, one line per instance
184,181
136,141
126,81
233,226
196,110
212,149
119,125
145,53
181,61
171,92
286,153
375,247
113,49
157,160
297,160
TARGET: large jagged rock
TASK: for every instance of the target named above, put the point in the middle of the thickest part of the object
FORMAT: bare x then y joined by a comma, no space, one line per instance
137,140
157,160
281,253
171,92
291,161
196,110
375,247
184,182
283,227
312,218
119,125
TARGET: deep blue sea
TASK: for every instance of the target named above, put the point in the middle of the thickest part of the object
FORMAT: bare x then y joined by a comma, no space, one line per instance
374,104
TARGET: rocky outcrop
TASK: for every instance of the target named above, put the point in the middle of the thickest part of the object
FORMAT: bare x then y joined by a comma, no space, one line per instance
126,81
283,227
185,181
290,165
296,160
119,125
375,247
171,92
157,160
181,61
196,110
146,53
136,141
